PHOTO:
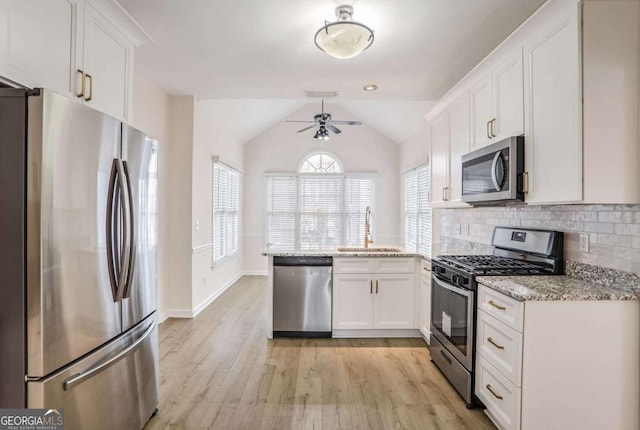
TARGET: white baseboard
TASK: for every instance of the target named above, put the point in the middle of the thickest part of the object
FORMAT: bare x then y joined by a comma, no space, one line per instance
175,313
255,273
206,302
192,313
376,333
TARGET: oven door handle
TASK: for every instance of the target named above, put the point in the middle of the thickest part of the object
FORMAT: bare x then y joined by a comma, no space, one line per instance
451,288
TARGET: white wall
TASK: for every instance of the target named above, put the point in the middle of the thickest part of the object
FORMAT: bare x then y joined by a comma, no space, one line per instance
151,114
209,139
280,148
179,297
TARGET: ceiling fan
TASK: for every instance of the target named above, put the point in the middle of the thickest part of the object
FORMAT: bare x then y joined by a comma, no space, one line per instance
325,123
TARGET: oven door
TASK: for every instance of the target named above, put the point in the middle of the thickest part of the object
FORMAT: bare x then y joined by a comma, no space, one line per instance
452,319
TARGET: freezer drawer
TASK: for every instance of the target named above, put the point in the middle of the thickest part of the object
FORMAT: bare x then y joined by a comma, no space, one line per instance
116,387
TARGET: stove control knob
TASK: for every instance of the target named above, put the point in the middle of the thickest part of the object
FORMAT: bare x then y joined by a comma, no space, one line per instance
455,279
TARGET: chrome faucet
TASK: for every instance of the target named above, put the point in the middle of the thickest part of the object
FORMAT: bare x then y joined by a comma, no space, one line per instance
367,227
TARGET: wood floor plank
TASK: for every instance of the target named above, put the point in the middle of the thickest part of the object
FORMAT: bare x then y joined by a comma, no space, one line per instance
218,371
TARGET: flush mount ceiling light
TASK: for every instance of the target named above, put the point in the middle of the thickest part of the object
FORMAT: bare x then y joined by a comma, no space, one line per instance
370,87
344,38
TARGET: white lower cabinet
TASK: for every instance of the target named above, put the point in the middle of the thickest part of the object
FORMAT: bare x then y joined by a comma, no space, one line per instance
500,396
393,301
352,301
565,364
373,301
425,303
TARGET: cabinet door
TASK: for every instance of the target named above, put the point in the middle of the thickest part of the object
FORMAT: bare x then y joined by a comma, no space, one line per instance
353,301
553,140
439,160
460,123
481,113
393,302
108,58
509,104
425,303
37,43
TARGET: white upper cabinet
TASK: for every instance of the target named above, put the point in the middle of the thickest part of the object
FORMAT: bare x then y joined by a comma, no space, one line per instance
459,128
481,113
439,161
568,79
37,47
496,103
508,98
553,146
105,66
82,49
450,137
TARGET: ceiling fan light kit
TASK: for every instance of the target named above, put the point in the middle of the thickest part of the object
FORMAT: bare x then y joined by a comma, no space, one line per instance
321,134
344,38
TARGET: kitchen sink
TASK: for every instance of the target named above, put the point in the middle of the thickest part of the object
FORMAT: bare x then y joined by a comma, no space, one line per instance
370,249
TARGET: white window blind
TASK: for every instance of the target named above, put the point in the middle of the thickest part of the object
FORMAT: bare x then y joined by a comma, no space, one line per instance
417,212
359,193
317,212
226,204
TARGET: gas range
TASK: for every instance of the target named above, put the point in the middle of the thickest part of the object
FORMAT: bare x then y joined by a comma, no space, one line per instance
454,302
516,252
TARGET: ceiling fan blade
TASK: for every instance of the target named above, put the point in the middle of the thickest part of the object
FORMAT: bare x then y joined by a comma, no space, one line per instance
346,122
333,128
289,120
306,128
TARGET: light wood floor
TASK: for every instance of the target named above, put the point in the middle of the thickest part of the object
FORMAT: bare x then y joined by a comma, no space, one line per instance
219,371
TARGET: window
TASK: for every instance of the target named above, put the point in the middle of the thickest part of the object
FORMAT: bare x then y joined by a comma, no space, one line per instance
417,212
320,162
226,203
316,211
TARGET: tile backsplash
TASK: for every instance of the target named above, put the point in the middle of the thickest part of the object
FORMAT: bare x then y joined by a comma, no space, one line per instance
614,230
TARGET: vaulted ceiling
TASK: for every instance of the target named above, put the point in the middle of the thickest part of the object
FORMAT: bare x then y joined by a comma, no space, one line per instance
263,50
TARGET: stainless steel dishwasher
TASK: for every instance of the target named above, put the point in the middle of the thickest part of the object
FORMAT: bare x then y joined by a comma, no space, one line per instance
302,288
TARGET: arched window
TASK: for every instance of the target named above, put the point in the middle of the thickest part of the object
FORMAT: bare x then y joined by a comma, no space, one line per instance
319,162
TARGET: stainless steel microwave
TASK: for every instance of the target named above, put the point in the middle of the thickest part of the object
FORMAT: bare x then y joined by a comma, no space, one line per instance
493,175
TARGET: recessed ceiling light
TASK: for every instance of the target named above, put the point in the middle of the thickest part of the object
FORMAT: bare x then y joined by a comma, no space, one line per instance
370,87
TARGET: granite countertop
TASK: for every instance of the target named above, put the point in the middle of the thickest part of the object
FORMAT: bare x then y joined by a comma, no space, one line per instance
553,288
335,253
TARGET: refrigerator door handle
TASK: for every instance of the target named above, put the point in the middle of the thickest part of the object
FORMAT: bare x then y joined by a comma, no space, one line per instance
112,260
78,378
125,252
130,220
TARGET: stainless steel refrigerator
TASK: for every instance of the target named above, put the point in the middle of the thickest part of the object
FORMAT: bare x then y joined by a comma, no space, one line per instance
78,263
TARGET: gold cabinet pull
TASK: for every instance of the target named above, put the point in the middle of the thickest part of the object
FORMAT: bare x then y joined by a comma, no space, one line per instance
82,88
492,342
492,122
371,286
90,87
488,132
496,395
492,303
376,286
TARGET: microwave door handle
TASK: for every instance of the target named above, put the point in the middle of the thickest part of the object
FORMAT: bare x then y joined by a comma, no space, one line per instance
494,178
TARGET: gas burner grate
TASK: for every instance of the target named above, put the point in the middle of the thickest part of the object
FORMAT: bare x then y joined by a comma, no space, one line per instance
492,264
